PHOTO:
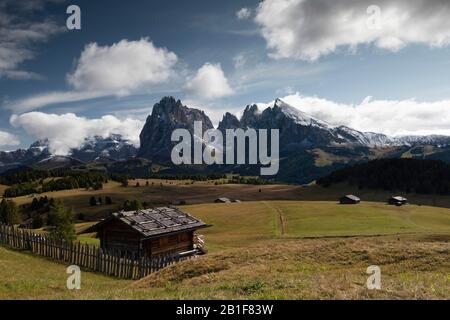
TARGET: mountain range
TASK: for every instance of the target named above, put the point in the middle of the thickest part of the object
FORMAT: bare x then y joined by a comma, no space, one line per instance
93,150
309,147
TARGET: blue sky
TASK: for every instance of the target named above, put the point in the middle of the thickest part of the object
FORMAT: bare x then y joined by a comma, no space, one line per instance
269,52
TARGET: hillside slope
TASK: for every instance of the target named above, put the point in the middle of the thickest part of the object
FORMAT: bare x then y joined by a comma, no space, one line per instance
300,269
405,175
264,250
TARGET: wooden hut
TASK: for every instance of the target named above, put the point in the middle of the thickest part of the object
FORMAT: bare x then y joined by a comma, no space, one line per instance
397,200
349,199
150,232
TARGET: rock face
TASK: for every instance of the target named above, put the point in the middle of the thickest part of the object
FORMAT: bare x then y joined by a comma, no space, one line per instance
250,117
36,152
229,121
10,157
167,115
298,130
434,140
112,148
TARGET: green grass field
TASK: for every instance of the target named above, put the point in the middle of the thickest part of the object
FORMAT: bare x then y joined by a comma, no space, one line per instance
24,276
205,192
171,192
239,224
274,249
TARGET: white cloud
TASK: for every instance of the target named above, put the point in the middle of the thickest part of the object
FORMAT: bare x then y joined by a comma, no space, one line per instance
308,29
243,13
391,117
124,68
20,32
68,131
8,139
209,82
49,98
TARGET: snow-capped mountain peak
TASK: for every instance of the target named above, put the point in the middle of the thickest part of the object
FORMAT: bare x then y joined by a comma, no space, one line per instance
299,116
337,134
113,147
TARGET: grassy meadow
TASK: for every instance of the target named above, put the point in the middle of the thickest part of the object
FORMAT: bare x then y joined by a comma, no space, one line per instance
274,250
176,192
239,224
281,242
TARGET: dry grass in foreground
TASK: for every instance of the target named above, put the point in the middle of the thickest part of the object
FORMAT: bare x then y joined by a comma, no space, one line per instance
278,269
311,269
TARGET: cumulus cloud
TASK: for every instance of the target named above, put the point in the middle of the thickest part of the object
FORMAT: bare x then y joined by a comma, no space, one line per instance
209,82
121,69
20,32
8,139
243,13
391,117
68,131
308,29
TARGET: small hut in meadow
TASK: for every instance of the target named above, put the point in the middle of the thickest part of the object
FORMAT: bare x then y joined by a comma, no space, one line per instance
349,199
397,200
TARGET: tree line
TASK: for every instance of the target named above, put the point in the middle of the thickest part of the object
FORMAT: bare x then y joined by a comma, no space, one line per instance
26,174
71,180
59,220
248,180
194,177
21,189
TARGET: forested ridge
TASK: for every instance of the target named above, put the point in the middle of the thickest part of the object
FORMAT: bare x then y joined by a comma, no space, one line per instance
27,181
406,175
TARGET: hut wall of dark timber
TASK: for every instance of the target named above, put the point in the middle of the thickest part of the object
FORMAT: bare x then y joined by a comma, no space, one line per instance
180,242
117,236
349,199
397,201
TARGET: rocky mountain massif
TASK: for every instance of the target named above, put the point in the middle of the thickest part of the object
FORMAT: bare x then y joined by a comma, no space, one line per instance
167,115
309,147
94,149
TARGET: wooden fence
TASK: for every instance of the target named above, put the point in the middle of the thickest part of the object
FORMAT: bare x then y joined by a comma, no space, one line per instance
118,264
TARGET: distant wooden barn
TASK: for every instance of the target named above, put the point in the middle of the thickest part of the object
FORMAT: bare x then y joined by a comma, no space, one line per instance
222,200
349,199
150,232
397,200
